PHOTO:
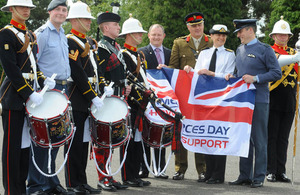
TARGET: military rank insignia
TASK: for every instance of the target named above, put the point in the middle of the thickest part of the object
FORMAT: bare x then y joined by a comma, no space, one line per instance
73,55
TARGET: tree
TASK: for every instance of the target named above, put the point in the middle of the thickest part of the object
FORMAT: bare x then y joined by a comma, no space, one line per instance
171,13
39,15
5,16
291,12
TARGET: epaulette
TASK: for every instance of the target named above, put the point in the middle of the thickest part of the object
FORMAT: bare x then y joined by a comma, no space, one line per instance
103,46
40,29
228,50
183,37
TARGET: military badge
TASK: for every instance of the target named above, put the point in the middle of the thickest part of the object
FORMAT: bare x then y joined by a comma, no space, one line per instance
6,46
251,55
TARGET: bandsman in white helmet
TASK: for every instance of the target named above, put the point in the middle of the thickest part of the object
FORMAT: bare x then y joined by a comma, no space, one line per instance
17,55
133,31
282,102
83,91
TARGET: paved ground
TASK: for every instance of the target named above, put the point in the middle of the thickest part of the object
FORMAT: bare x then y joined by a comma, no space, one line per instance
189,185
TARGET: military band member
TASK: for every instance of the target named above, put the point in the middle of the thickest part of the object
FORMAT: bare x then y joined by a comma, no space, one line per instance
185,51
282,102
256,63
82,92
17,44
133,31
216,61
52,58
112,65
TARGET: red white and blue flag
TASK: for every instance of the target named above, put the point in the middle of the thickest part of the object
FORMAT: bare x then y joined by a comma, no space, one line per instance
218,113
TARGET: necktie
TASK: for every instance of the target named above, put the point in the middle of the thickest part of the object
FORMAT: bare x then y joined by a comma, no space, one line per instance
212,65
157,53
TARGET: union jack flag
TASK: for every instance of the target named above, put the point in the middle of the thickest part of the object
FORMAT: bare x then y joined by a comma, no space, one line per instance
218,113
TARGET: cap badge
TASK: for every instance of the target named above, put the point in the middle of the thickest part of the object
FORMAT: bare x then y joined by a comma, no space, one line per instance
194,16
88,9
283,26
222,30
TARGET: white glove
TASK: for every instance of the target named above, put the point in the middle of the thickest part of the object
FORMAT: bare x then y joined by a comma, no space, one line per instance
288,59
36,98
50,82
97,102
108,91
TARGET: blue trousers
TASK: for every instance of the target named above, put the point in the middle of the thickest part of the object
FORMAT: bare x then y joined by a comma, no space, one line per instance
258,146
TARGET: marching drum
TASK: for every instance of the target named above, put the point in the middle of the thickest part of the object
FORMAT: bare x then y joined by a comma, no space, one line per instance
109,124
157,134
51,120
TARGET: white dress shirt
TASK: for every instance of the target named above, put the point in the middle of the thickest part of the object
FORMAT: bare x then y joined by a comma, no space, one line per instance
225,63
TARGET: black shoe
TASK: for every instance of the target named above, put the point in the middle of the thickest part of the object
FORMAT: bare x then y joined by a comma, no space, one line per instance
283,178
202,178
214,181
178,176
40,192
145,183
133,183
59,190
271,177
78,190
90,189
240,182
143,174
104,184
162,176
117,184
256,184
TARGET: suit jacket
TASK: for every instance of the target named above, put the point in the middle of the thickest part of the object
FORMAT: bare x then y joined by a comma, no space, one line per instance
184,51
151,58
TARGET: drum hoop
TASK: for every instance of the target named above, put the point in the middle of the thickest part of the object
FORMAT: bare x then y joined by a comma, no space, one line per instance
169,124
54,117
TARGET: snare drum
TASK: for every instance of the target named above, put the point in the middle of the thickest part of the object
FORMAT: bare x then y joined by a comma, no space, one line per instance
50,122
157,134
109,125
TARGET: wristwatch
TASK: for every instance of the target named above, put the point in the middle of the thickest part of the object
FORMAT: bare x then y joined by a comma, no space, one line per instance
254,79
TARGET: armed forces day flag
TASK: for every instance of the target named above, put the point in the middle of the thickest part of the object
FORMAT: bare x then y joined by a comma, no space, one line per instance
218,113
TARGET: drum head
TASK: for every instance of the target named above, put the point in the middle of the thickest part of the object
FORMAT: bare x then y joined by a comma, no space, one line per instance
114,109
54,103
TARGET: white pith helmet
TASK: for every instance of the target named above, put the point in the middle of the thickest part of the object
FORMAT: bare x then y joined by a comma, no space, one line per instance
132,25
80,10
281,27
22,3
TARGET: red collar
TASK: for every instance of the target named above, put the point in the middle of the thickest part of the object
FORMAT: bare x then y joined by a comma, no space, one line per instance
127,46
18,25
280,47
78,34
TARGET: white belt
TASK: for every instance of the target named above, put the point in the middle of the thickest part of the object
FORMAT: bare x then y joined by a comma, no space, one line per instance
28,76
91,79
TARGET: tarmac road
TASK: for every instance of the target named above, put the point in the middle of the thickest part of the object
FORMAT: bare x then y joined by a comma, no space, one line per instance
189,185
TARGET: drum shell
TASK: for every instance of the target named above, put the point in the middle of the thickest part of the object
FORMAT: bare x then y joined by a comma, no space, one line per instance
157,134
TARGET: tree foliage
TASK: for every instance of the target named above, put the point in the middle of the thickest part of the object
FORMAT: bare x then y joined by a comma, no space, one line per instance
171,13
5,16
291,12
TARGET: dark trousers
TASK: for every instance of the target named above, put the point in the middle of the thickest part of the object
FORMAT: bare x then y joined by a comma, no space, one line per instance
75,167
131,167
258,146
156,153
14,159
279,128
215,166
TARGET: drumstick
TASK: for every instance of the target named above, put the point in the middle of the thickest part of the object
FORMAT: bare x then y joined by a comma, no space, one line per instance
44,89
103,96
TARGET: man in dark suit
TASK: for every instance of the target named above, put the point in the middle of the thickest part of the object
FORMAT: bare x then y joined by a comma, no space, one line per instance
155,54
